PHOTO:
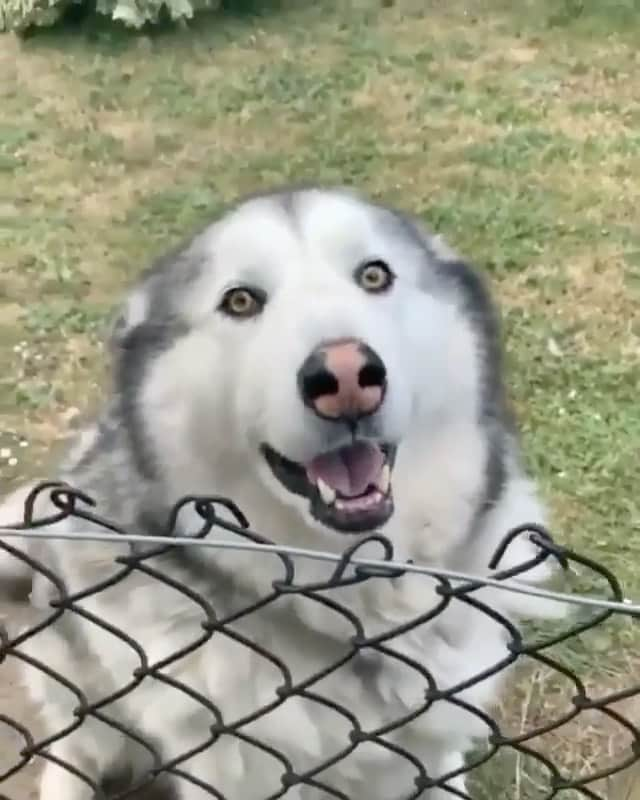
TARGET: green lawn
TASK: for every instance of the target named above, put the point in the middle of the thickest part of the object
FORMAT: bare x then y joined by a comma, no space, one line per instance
514,133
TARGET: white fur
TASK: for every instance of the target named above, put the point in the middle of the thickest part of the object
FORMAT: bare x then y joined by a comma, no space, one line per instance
208,402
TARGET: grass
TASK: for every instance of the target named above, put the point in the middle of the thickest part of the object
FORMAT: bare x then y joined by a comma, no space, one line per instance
513,132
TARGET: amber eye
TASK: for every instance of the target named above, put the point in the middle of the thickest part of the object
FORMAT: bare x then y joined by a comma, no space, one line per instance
243,302
374,276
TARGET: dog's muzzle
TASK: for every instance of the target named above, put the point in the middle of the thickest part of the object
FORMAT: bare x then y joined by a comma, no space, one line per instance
349,488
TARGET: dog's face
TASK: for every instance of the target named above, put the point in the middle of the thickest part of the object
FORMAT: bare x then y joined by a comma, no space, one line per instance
312,338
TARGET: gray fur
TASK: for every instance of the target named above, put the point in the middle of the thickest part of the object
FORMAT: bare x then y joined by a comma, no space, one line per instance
445,271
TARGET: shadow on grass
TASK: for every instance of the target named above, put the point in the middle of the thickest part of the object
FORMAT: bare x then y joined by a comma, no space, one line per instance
81,21
595,18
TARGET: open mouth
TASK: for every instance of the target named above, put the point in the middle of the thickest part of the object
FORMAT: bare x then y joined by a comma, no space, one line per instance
349,489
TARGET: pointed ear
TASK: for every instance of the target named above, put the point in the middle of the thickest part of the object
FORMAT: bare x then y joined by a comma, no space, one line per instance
126,318
114,330
434,243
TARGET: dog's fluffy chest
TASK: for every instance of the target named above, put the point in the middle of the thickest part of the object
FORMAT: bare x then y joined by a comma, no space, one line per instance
304,673
312,697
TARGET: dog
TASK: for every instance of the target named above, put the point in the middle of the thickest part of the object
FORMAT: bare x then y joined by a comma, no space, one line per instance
335,369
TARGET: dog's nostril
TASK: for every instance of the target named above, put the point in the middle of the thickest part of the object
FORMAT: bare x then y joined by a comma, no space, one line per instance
343,381
320,383
372,375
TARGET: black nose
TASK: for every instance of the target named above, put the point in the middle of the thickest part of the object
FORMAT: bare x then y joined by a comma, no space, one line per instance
343,380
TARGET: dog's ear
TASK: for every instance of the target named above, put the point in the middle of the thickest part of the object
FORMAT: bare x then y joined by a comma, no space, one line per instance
115,329
433,243
126,318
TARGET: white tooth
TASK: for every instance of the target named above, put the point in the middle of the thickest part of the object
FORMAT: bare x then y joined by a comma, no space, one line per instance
327,494
385,479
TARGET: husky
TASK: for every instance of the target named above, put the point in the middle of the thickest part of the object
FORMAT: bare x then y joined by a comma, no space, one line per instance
335,369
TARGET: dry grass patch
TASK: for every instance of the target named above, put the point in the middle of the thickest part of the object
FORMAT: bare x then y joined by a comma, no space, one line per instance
587,292
600,124
591,743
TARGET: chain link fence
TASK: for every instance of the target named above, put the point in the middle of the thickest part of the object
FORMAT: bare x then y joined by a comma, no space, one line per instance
531,763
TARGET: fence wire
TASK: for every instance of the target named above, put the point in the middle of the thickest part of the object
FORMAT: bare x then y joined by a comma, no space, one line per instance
543,648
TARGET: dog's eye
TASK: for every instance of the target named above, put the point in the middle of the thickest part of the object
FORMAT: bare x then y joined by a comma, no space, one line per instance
374,276
243,302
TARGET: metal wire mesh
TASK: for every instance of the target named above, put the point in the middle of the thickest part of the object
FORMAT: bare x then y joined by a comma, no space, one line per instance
351,568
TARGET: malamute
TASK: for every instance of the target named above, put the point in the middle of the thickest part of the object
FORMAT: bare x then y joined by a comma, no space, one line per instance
335,370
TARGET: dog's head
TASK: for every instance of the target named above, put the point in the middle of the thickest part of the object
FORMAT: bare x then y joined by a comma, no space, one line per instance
300,341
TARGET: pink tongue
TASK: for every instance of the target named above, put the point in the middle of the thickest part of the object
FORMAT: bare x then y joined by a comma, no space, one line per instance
349,470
